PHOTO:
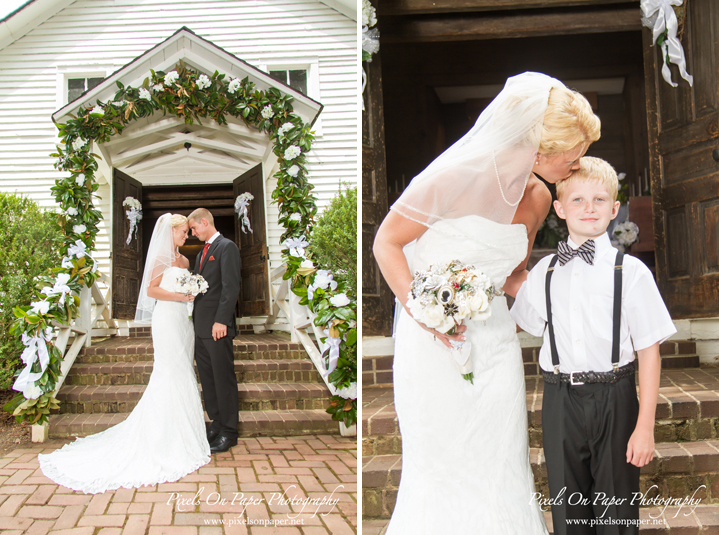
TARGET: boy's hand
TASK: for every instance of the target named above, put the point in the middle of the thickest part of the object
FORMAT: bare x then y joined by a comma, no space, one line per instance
640,449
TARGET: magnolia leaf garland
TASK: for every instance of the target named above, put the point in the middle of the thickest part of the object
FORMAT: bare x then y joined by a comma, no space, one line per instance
192,96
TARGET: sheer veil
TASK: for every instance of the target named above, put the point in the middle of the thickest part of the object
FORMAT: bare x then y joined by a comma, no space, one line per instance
160,256
486,171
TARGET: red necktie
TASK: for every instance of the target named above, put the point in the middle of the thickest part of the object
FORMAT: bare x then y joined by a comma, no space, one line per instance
204,252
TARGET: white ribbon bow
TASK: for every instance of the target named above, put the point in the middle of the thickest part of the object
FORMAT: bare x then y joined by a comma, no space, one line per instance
35,348
666,19
133,215
242,203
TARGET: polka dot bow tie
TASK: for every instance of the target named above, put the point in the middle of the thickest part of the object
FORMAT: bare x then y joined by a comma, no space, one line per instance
585,252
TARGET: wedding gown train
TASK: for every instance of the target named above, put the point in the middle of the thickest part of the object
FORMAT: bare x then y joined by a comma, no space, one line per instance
465,458
164,437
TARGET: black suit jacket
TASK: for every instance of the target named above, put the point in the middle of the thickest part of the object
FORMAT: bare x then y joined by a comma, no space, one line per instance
221,270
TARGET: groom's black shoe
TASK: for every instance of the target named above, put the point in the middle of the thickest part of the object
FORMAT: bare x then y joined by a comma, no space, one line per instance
212,435
222,444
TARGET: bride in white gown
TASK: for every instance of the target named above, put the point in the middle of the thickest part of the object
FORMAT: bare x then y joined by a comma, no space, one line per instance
164,437
465,458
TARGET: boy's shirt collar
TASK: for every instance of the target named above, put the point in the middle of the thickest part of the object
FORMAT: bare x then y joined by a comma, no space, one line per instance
602,245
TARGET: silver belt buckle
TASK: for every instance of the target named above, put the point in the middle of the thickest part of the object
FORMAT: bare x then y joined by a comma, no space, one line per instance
571,379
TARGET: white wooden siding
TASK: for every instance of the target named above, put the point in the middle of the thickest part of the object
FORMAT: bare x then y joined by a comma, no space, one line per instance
104,35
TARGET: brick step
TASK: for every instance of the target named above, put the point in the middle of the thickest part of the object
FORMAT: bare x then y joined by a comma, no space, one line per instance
675,354
246,347
247,371
678,470
687,409
670,521
252,423
80,399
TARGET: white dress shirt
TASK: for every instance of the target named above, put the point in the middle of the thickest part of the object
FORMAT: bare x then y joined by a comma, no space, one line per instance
214,237
582,302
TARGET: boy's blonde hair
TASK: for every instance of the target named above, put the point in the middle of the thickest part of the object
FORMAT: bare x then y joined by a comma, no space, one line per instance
568,122
591,168
200,214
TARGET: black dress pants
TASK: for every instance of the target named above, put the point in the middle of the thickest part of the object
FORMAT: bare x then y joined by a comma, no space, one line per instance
216,366
586,430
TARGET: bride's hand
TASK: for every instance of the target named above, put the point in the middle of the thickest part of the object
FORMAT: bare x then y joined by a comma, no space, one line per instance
186,298
445,338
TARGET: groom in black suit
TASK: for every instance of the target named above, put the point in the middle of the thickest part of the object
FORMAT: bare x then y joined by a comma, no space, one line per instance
215,327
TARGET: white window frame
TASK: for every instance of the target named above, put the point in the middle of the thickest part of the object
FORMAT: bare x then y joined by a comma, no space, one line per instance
66,73
312,66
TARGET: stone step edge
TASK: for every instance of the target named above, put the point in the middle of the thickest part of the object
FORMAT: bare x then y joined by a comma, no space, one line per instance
148,348
704,405
673,458
63,425
132,392
238,364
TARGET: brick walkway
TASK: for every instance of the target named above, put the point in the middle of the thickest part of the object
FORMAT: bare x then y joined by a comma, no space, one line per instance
274,474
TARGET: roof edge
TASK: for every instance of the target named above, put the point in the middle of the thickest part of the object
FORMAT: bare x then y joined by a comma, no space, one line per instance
28,17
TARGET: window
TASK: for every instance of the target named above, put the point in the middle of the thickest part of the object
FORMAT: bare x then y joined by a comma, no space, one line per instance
296,79
77,86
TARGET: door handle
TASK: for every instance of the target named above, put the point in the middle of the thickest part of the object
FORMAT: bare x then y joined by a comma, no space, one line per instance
262,258
715,155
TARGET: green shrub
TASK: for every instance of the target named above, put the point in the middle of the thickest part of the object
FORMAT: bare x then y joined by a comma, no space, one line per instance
334,239
31,242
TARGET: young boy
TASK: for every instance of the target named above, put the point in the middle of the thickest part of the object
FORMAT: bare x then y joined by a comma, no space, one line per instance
596,435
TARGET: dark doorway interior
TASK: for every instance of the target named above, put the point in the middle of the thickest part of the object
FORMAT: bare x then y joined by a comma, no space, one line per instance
217,198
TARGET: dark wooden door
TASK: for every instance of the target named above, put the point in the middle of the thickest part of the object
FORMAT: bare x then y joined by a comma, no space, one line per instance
126,259
376,296
254,298
683,126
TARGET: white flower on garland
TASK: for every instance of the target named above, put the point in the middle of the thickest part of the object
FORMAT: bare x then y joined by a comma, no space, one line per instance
297,246
59,288
340,300
134,215
293,171
624,235
369,14
158,87
267,112
286,127
242,203
348,392
234,85
71,211
296,217
203,81
323,280
145,94
40,307
66,263
171,77
119,103
80,180
98,109
32,391
79,229
292,152
77,250
78,144
307,264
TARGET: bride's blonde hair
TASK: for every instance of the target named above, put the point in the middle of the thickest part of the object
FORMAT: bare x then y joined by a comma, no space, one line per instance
568,122
177,220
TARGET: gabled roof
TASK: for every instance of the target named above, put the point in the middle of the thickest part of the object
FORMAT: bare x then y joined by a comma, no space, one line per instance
35,12
201,55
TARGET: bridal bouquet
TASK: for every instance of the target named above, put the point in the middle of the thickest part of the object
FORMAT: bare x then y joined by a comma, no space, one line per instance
445,295
190,284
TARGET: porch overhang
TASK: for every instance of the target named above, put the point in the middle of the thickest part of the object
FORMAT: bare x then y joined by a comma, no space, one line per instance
162,149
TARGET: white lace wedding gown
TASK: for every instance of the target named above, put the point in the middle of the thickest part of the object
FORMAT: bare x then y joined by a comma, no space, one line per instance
465,459
164,437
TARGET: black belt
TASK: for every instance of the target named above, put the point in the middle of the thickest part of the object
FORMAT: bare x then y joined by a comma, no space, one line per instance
580,378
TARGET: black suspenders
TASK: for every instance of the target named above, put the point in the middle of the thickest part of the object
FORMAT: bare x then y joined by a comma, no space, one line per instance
616,314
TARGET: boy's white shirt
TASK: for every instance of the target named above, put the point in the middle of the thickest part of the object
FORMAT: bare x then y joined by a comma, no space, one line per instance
582,302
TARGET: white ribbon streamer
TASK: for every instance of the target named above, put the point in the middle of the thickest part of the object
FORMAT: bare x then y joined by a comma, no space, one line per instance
35,349
242,203
334,354
659,16
133,215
